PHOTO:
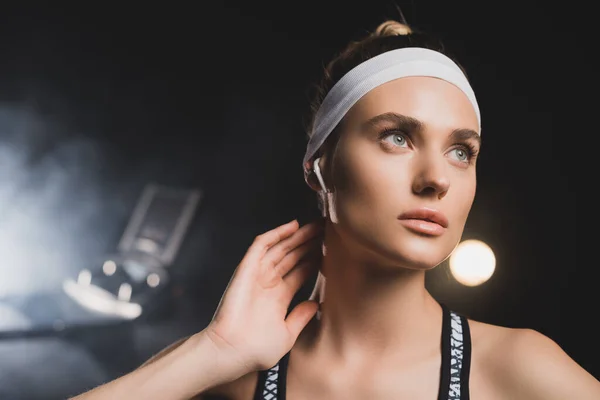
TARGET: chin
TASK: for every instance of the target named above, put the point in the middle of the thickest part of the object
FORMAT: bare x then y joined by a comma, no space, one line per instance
393,249
419,252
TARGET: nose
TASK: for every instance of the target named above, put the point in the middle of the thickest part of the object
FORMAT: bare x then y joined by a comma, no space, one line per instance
431,177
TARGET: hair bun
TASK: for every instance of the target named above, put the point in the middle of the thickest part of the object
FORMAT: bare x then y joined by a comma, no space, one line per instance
392,28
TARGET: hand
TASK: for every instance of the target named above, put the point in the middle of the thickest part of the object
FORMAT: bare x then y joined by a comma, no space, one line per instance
250,323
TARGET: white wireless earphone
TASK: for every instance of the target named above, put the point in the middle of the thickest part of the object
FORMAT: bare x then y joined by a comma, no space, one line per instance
324,190
317,170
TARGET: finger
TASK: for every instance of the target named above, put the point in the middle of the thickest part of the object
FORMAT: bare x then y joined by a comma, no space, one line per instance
305,250
300,316
299,275
263,242
276,253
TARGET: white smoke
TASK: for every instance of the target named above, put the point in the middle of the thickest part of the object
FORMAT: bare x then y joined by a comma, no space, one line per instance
50,198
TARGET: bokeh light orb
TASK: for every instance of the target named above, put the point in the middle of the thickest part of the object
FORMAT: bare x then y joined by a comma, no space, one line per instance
472,263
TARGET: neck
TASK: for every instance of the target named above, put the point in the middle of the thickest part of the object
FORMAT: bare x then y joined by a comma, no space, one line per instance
370,310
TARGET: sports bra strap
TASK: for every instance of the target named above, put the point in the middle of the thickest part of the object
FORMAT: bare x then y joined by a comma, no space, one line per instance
454,373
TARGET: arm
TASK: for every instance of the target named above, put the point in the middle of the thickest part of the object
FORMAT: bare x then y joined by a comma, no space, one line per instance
165,351
237,389
186,368
535,367
251,329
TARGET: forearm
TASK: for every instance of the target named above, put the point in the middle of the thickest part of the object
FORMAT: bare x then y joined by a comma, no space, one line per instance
191,368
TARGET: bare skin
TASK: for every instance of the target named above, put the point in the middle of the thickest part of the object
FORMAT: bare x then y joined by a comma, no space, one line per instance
379,333
506,364
251,328
380,329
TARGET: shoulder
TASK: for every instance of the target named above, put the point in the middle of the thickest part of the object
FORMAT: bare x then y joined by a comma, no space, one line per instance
525,364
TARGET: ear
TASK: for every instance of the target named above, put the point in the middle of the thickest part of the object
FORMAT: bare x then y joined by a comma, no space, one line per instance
311,177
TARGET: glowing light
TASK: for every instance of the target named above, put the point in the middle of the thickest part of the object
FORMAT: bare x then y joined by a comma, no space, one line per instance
153,280
100,300
109,267
85,277
472,262
124,292
146,245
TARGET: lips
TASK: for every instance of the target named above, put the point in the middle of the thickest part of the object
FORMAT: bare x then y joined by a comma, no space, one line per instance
427,221
426,214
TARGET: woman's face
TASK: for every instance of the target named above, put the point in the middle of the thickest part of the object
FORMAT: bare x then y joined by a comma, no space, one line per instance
406,154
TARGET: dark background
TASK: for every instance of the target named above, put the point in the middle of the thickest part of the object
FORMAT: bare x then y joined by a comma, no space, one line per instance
96,102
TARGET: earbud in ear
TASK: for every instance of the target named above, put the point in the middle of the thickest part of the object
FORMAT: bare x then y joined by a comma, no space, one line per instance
317,170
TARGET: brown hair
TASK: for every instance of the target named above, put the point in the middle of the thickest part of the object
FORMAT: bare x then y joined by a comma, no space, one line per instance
389,35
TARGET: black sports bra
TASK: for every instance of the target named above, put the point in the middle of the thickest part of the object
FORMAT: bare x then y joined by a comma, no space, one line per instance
454,374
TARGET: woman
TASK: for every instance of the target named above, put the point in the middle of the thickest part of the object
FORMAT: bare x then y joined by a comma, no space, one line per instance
392,153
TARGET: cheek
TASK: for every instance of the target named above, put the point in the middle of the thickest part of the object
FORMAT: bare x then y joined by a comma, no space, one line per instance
371,190
364,181
463,200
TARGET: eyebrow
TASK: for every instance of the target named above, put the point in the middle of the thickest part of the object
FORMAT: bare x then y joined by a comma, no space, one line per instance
413,124
463,135
406,122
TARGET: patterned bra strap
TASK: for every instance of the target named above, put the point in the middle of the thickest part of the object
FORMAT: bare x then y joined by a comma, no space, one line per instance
456,360
271,383
456,357
274,381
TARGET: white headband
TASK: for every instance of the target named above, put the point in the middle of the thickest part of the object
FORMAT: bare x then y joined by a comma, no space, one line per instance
391,65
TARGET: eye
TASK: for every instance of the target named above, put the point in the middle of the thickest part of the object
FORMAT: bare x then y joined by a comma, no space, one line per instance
461,154
395,138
